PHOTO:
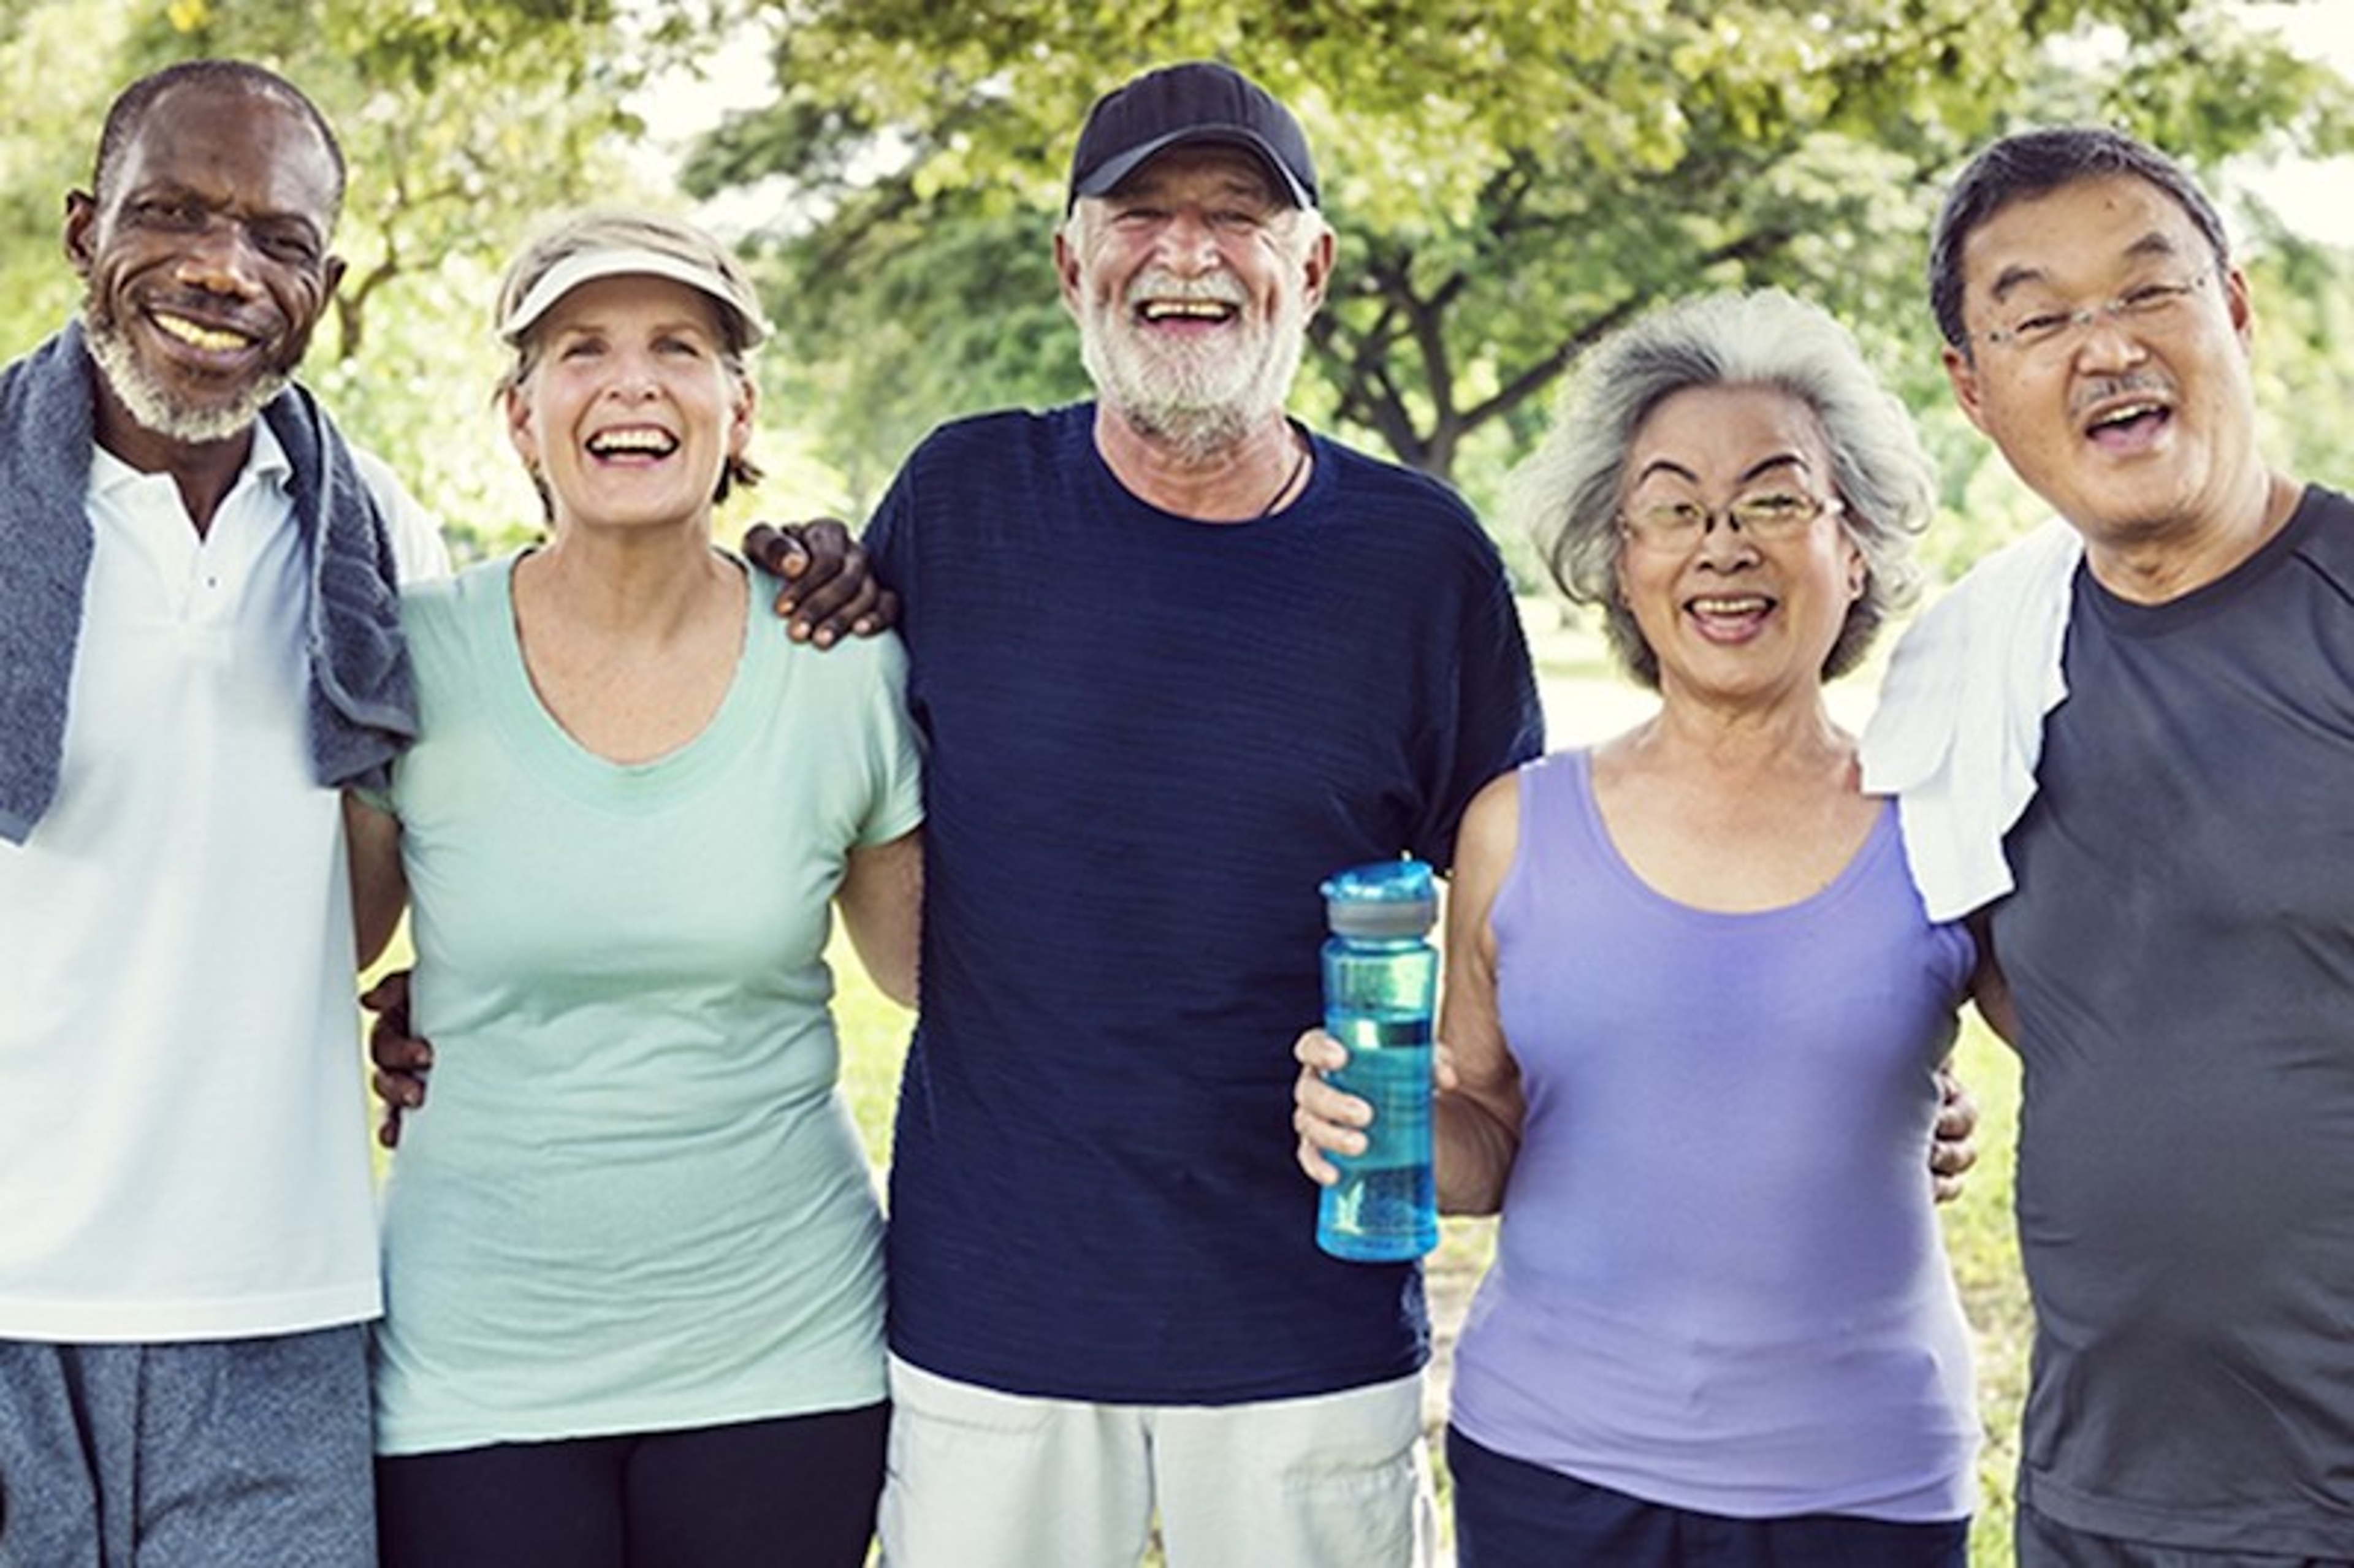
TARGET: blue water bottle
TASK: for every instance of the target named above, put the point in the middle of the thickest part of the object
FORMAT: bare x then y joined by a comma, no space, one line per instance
1380,981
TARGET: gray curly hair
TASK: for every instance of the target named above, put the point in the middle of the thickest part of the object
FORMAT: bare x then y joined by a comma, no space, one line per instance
1566,494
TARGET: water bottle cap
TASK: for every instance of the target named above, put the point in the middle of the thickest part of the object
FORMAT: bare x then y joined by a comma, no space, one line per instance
1387,898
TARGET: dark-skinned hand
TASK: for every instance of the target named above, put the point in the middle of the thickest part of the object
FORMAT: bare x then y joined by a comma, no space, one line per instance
401,1059
830,587
1954,1147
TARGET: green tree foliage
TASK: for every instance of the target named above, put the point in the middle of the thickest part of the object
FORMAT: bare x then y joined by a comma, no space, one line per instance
1509,183
56,63
2304,354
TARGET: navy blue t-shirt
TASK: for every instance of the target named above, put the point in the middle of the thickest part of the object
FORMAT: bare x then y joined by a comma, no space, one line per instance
1150,738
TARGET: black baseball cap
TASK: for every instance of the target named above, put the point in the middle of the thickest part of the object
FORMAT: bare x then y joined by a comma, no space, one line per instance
1200,101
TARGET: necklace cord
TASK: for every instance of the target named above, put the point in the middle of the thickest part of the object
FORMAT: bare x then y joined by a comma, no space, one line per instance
1298,467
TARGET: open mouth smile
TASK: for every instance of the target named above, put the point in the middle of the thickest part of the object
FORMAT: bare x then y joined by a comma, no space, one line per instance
1729,614
2128,421
1186,310
629,442
202,336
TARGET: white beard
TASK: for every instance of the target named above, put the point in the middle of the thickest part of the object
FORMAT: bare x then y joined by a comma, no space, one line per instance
1201,398
155,409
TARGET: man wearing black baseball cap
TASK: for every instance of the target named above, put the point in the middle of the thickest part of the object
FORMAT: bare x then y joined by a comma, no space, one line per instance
1266,657
1201,103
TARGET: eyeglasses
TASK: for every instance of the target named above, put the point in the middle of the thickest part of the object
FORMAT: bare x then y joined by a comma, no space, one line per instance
1766,516
2039,330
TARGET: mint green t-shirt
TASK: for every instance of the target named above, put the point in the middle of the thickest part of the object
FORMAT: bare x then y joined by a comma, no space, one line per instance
634,1201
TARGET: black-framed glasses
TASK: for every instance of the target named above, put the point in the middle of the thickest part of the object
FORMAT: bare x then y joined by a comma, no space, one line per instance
1764,515
2038,329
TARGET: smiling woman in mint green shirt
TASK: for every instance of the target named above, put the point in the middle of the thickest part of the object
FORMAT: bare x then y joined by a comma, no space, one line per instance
632,1250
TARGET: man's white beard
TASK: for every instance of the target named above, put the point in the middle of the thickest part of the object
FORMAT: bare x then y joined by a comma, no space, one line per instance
154,408
1203,398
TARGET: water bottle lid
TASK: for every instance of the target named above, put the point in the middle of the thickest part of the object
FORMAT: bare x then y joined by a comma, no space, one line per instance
1387,898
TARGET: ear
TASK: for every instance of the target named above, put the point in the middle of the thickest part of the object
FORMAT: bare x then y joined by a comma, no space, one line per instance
1962,375
1066,265
331,275
1318,266
519,431
81,219
741,416
2237,302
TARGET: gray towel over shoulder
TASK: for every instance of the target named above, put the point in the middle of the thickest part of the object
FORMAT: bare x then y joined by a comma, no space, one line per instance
362,701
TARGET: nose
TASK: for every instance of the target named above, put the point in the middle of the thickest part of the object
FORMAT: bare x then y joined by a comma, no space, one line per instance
1722,542
634,376
2104,341
221,259
1188,241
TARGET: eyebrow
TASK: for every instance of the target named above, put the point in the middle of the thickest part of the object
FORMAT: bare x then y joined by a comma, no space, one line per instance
2155,244
1665,465
1754,471
172,187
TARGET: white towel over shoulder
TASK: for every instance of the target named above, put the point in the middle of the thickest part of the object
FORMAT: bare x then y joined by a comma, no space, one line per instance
1960,721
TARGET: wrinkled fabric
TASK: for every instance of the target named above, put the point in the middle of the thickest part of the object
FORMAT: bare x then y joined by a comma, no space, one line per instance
361,699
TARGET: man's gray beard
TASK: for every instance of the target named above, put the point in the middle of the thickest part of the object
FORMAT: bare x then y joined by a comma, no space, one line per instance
1203,416
153,409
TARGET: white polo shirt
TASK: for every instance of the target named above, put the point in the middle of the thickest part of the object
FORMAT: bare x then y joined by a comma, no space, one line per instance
183,1144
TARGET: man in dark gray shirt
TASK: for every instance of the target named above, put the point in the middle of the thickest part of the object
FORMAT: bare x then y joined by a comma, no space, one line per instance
2179,941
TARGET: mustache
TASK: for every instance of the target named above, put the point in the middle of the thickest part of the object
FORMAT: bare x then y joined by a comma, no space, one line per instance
2108,387
1218,288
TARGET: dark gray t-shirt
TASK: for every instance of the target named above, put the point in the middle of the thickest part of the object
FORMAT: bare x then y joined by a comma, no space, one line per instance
2181,947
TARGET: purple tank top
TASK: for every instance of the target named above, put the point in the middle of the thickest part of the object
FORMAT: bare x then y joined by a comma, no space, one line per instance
1719,1282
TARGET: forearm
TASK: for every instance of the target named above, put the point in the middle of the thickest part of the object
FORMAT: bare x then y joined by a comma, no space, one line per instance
1988,990
1475,1152
881,899
379,886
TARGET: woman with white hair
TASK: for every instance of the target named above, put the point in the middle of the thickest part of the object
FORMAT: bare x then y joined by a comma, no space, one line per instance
633,1255
1694,1009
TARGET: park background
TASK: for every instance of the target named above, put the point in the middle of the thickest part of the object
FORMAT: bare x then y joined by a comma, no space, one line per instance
1509,181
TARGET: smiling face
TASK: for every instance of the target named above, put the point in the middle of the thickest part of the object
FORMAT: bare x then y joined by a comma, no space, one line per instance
1735,615
1192,284
206,266
2136,426
630,409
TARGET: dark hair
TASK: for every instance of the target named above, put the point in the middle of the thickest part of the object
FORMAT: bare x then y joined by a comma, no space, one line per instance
2030,164
130,110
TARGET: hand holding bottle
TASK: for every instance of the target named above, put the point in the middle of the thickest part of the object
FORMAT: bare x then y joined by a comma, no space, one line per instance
1329,1119
1381,976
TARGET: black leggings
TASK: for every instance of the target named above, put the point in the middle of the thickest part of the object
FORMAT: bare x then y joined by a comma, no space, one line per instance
795,1492
1509,1513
